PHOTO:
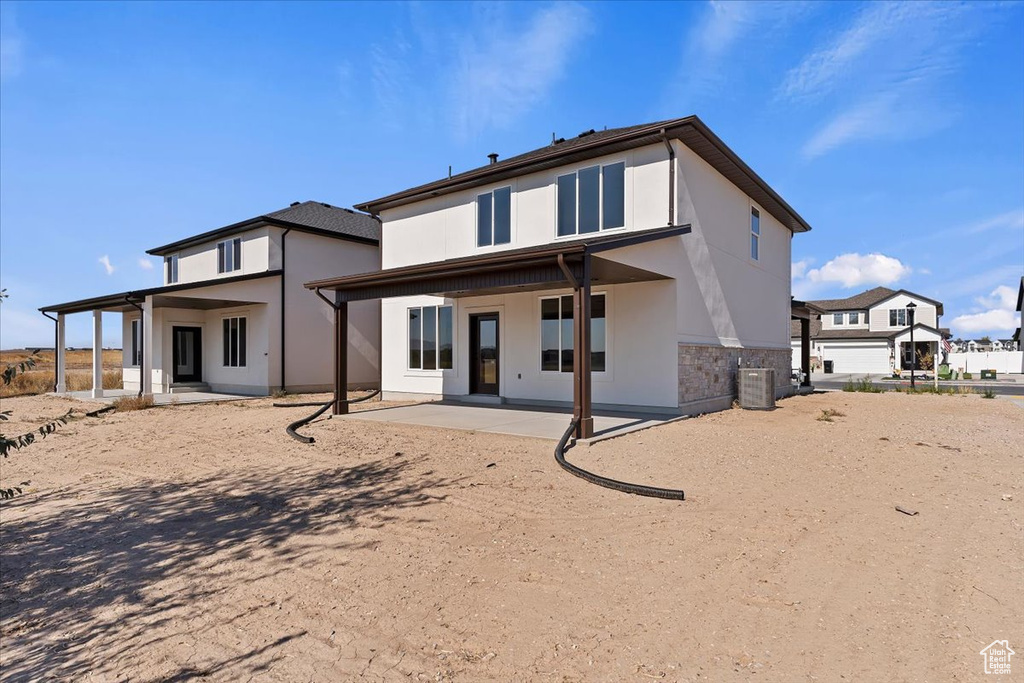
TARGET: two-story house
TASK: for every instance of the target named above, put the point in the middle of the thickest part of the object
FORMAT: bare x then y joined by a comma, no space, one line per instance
632,268
232,315
870,332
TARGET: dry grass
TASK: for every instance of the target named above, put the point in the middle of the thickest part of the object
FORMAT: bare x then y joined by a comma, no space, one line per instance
128,403
828,414
78,363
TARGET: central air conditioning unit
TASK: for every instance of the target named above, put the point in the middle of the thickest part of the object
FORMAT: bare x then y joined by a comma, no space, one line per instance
757,388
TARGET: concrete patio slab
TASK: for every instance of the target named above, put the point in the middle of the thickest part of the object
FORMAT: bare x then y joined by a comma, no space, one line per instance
109,395
542,423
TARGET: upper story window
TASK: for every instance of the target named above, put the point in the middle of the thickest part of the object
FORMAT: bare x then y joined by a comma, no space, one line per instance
854,317
430,338
897,317
229,255
837,318
171,265
755,241
494,217
592,199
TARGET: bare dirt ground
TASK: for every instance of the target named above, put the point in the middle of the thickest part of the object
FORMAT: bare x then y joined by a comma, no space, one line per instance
201,543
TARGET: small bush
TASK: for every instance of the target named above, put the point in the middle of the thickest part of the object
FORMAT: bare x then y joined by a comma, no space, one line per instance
968,375
126,403
864,384
828,413
988,393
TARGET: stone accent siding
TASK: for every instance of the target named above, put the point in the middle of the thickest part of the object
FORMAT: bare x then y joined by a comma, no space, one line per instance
708,372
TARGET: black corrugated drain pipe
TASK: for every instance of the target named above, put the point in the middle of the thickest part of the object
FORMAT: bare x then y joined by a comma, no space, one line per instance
290,429
615,484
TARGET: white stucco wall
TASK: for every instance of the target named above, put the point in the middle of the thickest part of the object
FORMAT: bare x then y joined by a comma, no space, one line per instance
640,347
199,262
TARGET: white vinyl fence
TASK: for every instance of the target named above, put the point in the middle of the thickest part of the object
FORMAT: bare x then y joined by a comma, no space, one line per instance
1002,362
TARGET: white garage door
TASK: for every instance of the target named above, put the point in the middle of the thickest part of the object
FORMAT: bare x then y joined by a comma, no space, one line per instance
855,358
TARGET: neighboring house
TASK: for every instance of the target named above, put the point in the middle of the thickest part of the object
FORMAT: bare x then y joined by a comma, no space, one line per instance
673,249
233,316
869,332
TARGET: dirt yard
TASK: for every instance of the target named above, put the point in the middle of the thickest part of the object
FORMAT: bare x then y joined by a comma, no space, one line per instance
200,542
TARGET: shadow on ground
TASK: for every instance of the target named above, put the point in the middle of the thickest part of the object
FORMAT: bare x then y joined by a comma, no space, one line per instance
79,566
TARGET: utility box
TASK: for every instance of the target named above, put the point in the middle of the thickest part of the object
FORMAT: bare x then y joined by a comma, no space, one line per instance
988,374
757,388
828,367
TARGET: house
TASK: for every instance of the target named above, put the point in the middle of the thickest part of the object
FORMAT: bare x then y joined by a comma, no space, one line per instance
232,315
632,268
869,332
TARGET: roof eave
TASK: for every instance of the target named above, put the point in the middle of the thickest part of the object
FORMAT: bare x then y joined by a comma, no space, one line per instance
254,223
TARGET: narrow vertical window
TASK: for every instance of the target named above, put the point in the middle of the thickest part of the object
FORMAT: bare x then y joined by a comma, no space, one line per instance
549,344
567,205
415,339
221,263
136,346
171,263
430,337
755,234
503,215
613,200
227,342
590,199
236,250
444,338
484,228
566,333
597,334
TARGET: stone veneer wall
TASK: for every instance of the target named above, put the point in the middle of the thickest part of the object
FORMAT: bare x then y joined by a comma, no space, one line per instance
707,373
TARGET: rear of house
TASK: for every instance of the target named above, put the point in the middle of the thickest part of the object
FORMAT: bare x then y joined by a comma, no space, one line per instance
672,248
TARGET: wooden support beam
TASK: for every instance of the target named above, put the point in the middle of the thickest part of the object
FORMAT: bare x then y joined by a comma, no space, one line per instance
340,358
805,352
582,409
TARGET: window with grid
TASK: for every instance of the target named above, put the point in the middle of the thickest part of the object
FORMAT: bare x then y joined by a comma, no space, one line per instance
430,338
556,335
234,342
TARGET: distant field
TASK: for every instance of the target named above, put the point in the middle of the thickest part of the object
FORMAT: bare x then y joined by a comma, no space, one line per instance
39,379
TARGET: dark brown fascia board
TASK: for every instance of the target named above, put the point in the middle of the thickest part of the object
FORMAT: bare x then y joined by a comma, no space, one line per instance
1020,296
137,295
250,223
486,174
497,260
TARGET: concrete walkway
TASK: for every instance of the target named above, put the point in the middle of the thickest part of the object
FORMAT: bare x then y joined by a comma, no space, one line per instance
161,399
530,421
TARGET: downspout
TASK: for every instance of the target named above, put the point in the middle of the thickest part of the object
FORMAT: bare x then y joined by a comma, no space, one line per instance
671,177
56,340
283,307
142,342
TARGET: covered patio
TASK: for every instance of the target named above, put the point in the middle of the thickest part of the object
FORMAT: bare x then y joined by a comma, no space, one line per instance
574,264
142,346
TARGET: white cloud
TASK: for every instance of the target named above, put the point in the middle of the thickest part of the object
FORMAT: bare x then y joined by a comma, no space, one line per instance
885,75
504,70
145,264
799,268
1013,220
859,270
999,316
107,265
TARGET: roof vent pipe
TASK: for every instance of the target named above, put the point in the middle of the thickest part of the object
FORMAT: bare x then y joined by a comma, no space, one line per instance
493,157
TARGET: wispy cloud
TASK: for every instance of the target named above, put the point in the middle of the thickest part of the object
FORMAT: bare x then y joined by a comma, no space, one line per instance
144,263
882,77
107,265
505,70
12,44
998,315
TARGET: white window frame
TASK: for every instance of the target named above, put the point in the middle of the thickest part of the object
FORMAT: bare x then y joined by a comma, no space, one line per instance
135,338
241,363
898,316
476,217
171,268
229,246
837,319
851,315
540,336
755,235
437,347
600,199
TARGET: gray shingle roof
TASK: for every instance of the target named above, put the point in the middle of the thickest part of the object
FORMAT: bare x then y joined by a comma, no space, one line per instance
858,301
315,217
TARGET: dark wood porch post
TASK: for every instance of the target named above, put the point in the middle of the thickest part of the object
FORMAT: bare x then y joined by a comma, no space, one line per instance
340,358
581,350
805,352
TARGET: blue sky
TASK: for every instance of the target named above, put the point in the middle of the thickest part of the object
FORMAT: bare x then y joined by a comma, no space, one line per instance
896,130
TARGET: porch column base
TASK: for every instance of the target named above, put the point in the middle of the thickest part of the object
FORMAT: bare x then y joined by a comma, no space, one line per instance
97,354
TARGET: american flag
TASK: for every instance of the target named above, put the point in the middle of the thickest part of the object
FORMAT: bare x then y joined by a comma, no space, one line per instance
947,346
